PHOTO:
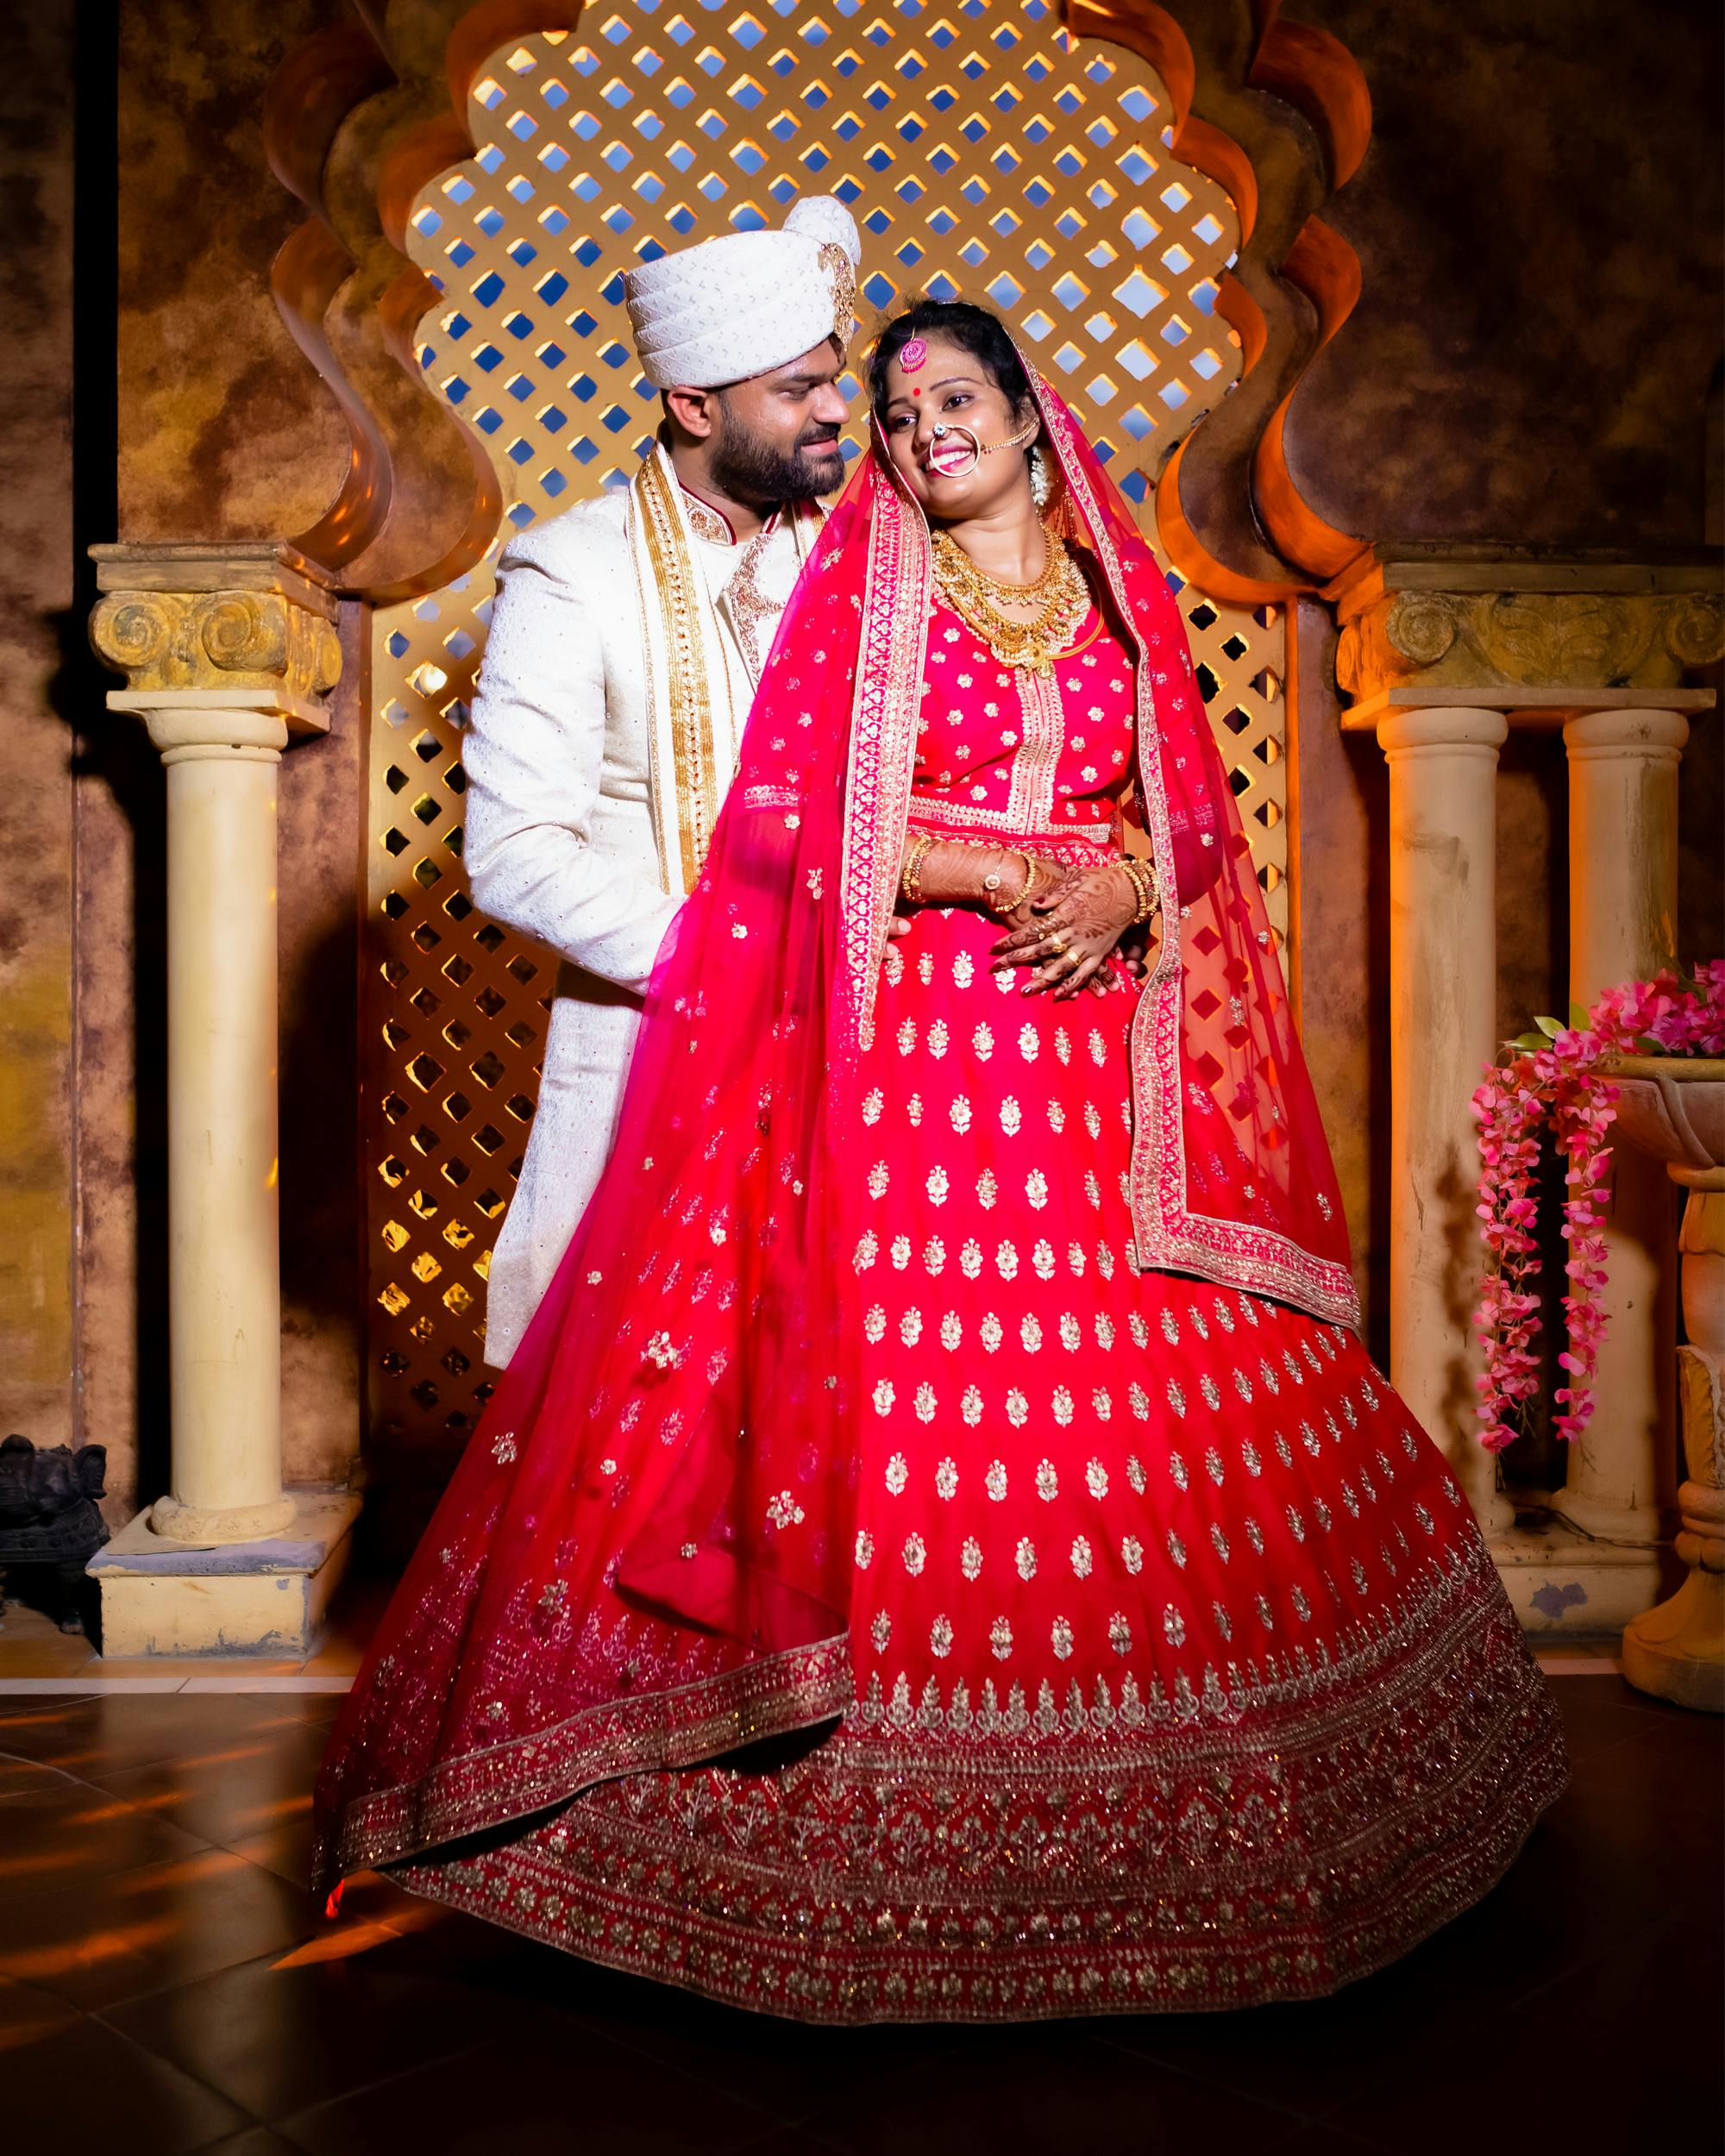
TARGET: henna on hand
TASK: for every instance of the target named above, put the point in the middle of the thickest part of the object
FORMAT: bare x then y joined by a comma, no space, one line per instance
954,873
1076,928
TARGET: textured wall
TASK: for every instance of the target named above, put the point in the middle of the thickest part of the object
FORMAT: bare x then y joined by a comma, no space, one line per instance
224,432
1539,221
36,199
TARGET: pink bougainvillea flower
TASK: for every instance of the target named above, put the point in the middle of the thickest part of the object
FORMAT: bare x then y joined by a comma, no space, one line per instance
1552,1076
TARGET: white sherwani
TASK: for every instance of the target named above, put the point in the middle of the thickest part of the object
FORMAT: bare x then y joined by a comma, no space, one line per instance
582,828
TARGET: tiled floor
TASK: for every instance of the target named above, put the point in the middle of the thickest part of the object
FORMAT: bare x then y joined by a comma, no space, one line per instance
35,1656
165,1988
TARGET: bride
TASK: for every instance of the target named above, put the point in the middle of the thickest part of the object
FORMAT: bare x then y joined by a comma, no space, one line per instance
942,1552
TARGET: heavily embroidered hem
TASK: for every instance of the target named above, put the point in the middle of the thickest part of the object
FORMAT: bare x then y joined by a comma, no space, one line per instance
910,1875
771,1697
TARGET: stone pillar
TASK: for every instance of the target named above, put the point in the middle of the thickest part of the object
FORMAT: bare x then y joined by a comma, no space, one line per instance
1623,853
228,652
224,1288
1441,1028
1427,633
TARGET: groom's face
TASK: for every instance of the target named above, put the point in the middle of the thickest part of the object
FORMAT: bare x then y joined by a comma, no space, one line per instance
776,436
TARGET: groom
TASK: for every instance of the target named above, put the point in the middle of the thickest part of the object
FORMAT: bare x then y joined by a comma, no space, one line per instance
626,641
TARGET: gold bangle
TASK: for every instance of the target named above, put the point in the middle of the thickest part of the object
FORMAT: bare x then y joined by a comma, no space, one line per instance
910,875
991,884
1142,876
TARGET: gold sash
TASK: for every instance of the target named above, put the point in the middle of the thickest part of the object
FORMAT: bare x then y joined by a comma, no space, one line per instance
695,725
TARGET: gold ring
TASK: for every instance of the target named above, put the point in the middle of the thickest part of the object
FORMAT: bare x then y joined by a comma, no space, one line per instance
1058,941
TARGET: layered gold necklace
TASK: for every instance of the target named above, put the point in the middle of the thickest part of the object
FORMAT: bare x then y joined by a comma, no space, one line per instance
1060,595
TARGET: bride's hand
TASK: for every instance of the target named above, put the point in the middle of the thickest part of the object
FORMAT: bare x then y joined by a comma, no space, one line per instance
1070,932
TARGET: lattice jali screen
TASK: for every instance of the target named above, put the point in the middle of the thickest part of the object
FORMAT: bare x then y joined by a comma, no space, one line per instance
984,154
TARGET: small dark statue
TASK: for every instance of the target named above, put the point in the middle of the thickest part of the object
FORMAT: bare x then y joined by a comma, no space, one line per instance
49,1516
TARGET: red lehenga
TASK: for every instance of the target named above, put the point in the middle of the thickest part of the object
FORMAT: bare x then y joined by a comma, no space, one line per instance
952,1392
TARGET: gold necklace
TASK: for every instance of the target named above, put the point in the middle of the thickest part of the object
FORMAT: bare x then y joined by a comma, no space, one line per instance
1060,592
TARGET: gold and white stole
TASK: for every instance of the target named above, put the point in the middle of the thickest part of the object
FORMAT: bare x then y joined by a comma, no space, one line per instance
695,720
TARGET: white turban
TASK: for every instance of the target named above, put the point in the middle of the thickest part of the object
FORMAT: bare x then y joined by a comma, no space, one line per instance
748,302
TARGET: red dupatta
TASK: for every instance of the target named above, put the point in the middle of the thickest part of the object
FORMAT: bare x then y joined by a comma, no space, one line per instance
644,1556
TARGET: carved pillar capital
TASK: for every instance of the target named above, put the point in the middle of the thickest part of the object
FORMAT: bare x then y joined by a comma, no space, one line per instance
1524,633
227,653
225,629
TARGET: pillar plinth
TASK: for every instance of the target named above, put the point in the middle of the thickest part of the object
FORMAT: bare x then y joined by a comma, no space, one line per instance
1442,1030
227,654
1622,852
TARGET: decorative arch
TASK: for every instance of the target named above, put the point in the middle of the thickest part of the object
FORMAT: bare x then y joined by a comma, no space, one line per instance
482,368
1203,523
362,117
358,120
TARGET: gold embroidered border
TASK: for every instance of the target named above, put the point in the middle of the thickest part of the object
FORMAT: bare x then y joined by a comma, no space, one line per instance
1166,1233
1392,1811
678,594
1042,736
883,736
1079,845
771,1696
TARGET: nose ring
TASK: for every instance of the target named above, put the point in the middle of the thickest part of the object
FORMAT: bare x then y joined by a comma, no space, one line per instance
957,452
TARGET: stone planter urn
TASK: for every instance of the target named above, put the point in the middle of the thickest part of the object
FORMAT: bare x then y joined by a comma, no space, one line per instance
1673,1107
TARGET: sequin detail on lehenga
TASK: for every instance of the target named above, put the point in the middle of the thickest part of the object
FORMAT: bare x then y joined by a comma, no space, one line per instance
1183,1677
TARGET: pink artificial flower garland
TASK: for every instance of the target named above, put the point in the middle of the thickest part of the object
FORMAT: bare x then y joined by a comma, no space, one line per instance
1558,1078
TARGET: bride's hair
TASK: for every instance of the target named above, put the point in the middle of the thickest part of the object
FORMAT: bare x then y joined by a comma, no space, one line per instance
979,333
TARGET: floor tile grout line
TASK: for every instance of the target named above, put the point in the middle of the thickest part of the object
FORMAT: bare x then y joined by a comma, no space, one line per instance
137,1766
1608,1951
213,1686
1301,2119
161,2058
276,2120
687,2073
46,1766
178,1983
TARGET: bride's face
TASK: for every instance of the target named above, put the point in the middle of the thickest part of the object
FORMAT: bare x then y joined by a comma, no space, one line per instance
945,386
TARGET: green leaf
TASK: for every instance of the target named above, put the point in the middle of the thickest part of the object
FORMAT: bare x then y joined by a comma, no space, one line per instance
1577,1017
1549,1027
1527,1043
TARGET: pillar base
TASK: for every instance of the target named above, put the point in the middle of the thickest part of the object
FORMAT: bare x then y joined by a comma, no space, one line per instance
1678,1651
1559,1582
171,1521
266,1597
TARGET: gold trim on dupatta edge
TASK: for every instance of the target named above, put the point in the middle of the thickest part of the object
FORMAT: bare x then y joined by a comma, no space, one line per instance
1167,1234
893,639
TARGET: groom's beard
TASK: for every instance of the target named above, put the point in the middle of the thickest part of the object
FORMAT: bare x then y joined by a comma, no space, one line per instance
750,470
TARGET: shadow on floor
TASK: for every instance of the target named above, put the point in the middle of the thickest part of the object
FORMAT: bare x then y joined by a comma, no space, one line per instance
165,1988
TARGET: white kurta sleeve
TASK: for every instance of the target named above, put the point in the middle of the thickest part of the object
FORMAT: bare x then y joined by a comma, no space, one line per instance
534,754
